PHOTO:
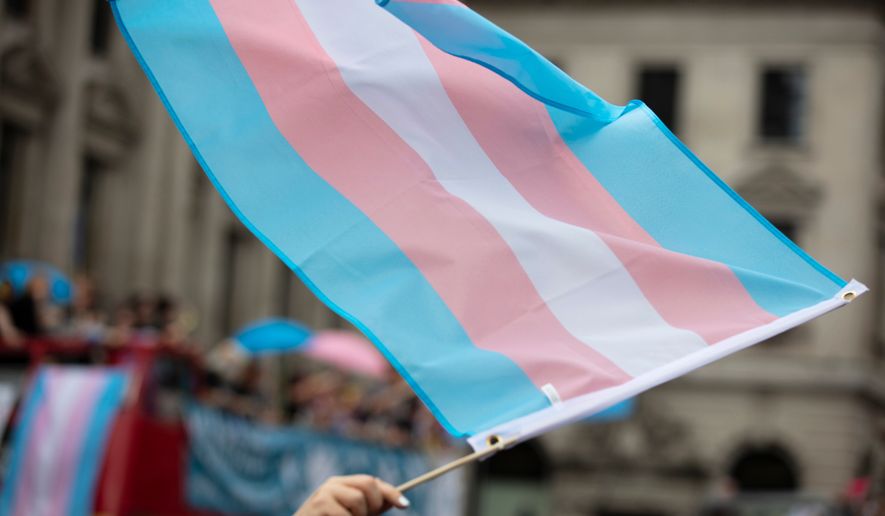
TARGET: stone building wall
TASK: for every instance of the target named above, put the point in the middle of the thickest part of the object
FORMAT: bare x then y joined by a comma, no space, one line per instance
99,180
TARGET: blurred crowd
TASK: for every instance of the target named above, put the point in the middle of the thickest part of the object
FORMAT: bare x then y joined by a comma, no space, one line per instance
32,312
318,396
306,393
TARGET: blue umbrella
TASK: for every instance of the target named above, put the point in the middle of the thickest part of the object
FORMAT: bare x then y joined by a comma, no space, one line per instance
272,336
18,273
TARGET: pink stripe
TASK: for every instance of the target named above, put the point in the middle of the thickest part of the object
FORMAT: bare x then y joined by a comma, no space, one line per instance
517,133
75,435
457,250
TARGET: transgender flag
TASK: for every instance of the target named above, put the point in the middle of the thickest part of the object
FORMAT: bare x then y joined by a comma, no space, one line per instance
59,442
524,253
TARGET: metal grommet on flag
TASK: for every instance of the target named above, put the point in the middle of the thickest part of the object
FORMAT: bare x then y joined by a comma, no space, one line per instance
849,296
495,444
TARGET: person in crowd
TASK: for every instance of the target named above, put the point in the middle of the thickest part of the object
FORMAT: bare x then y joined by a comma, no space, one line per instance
144,309
122,329
249,400
33,312
318,395
323,398
9,334
389,412
147,320
85,321
293,408
168,321
386,412
355,495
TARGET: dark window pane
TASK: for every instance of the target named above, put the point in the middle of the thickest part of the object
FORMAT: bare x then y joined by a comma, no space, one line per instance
782,103
786,226
101,21
557,62
659,88
9,149
524,462
17,8
628,512
765,468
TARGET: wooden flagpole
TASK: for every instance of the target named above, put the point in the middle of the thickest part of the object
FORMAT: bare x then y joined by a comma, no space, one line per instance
496,445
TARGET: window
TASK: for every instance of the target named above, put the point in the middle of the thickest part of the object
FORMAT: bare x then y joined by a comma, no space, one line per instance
789,227
765,468
515,482
7,144
557,62
11,140
101,33
659,88
782,104
17,8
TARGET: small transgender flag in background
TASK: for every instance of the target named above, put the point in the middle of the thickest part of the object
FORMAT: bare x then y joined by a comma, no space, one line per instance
60,441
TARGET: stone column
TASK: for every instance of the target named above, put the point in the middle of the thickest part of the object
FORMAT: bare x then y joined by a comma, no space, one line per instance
717,107
148,198
178,195
64,158
268,279
207,268
27,241
605,70
307,308
845,121
118,220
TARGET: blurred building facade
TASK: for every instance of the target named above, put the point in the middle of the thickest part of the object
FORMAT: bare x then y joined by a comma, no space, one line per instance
96,178
784,101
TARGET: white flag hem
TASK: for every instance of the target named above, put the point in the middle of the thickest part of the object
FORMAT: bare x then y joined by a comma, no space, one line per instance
569,411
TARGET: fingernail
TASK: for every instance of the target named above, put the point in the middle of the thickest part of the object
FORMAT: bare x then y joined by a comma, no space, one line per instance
404,502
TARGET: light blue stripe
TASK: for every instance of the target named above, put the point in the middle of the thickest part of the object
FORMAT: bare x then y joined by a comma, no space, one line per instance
333,247
475,39
93,452
649,173
20,440
652,175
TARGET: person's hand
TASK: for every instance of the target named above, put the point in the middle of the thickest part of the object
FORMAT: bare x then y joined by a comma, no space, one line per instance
357,495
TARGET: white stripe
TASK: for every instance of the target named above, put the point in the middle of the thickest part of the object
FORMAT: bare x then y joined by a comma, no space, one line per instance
576,409
581,280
